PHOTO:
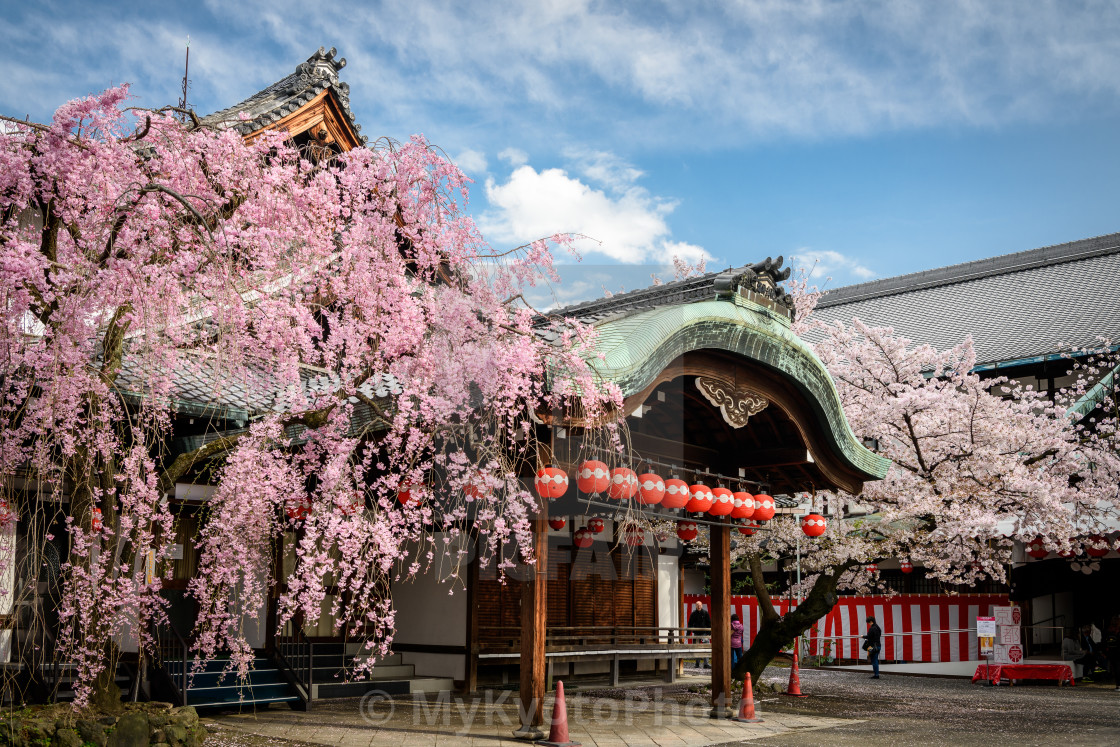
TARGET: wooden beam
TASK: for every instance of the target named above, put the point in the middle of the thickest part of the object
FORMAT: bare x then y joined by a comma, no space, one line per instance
720,558
534,611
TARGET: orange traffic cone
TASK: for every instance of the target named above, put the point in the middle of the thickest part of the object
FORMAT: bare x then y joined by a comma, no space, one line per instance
558,732
794,688
746,704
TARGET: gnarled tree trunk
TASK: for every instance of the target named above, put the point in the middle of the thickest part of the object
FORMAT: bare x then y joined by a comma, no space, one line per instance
778,632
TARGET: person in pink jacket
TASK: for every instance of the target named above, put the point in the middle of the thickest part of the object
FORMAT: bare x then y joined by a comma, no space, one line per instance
736,640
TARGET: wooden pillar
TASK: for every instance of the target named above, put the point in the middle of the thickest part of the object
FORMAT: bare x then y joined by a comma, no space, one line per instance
473,644
534,611
720,558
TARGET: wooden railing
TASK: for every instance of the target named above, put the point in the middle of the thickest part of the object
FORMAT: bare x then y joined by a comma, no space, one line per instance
506,638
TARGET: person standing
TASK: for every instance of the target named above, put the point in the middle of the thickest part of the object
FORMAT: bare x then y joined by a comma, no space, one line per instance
872,644
736,640
700,625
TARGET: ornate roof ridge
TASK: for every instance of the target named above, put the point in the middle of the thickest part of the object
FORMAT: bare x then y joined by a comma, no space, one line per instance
271,104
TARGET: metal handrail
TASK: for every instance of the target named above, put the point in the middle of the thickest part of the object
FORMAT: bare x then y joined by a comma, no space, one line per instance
171,646
295,654
591,634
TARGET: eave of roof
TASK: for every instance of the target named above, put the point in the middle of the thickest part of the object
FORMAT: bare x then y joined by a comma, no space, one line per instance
288,95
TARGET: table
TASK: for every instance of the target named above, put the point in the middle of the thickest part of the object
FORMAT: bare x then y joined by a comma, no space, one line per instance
1011,672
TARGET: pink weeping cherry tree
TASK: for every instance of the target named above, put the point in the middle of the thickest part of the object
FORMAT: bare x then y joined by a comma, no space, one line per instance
977,464
381,351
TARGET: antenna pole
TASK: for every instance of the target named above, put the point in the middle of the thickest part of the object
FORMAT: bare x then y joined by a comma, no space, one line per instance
186,72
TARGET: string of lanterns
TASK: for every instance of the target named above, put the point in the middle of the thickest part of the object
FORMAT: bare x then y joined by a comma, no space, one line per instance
595,477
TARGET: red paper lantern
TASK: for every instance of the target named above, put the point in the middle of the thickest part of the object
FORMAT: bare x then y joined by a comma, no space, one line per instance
687,530
583,537
551,482
355,505
722,504
1096,546
743,505
747,529
297,509
1066,553
906,566
700,498
651,489
676,493
405,496
593,477
763,508
475,487
624,484
557,523
813,525
635,537
872,568
1036,549
595,526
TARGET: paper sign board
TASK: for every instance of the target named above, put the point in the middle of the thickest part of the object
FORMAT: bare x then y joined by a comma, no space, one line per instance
176,552
1007,615
1005,654
985,627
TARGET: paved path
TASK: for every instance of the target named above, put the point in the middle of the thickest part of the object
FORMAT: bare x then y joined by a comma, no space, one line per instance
489,720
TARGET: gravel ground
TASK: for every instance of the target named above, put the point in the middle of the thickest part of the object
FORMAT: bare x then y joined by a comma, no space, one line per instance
901,710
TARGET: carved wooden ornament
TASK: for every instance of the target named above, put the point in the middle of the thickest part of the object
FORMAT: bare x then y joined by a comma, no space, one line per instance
736,405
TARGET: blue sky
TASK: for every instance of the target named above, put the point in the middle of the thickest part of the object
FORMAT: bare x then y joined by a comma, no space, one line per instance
875,137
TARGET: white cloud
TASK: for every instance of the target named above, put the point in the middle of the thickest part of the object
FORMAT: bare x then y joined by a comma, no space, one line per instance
603,168
472,162
629,224
823,264
514,157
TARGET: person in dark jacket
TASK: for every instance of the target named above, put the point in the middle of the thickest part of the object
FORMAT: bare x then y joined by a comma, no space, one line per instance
700,622
872,644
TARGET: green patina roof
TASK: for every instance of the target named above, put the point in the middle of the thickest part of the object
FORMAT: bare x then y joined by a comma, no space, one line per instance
638,346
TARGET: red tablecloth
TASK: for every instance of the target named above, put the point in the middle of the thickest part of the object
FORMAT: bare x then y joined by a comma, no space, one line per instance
996,672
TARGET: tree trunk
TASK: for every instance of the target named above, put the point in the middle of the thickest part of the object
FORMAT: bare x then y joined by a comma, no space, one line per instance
776,632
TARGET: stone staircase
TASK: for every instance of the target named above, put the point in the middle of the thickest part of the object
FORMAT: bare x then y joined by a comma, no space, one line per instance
333,661
214,687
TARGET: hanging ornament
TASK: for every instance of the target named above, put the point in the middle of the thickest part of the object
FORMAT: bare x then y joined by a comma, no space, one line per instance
651,489
1096,546
813,525
700,498
583,537
676,493
551,482
623,485
635,537
596,525
687,530
593,477
763,508
557,524
406,497
722,504
747,529
95,521
1036,549
743,505
906,566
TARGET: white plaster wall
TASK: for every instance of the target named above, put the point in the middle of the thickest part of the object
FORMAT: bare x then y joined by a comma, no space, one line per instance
668,583
428,614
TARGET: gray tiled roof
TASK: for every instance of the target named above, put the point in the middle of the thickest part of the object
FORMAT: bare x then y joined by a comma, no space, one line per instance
699,288
1015,306
288,94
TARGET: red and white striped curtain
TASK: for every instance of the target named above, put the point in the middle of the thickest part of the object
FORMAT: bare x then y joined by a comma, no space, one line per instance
911,613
